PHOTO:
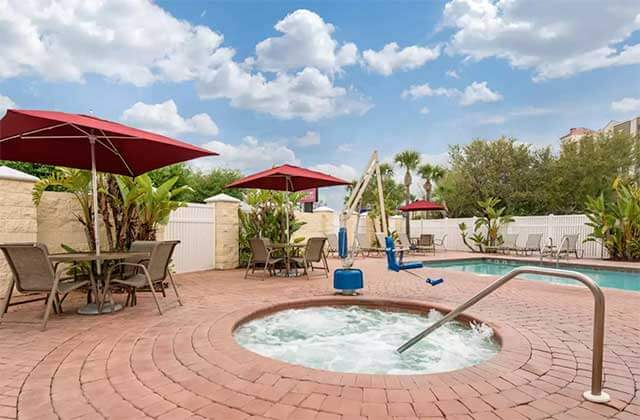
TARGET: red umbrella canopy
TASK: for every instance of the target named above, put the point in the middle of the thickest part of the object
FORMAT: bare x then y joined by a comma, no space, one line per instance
59,138
287,178
422,205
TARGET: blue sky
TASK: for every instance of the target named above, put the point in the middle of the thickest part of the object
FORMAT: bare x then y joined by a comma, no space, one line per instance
320,83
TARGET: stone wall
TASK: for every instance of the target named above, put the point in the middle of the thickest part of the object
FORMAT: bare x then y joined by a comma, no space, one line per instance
226,230
18,221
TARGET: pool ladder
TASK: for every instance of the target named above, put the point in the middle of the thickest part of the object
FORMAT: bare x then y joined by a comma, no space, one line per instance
595,394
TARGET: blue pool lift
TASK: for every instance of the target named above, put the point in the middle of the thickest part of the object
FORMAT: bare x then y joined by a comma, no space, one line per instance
348,280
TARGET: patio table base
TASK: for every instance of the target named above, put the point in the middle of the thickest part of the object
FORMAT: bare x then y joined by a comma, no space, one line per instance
107,308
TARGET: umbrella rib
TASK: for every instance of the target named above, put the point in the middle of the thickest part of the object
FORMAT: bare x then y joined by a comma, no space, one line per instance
22,135
117,153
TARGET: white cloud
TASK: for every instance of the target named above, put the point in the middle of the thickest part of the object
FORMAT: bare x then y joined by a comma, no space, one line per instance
306,41
475,92
549,37
138,42
626,105
424,110
130,41
5,103
309,94
419,91
452,73
346,147
391,58
250,155
342,171
310,138
478,92
165,118
493,119
334,196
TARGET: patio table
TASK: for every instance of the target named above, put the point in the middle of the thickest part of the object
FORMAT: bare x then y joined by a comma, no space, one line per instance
92,308
287,250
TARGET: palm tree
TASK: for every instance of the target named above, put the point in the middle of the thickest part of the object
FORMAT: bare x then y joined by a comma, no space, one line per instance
409,160
430,174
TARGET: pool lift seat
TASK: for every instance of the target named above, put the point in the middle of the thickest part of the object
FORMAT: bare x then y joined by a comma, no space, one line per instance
394,265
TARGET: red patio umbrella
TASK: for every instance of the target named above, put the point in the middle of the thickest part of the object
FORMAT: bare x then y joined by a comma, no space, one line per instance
86,142
422,205
287,178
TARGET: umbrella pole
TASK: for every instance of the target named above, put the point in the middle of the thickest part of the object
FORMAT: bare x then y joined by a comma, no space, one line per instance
94,192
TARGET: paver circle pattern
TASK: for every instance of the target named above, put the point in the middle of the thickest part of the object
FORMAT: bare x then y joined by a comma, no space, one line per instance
185,364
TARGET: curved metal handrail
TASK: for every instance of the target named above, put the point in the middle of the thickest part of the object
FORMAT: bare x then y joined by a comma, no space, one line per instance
596,394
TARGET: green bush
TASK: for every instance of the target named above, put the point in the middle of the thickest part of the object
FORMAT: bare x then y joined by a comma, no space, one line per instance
616,222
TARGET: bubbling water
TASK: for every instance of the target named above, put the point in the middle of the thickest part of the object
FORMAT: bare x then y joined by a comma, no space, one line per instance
362,340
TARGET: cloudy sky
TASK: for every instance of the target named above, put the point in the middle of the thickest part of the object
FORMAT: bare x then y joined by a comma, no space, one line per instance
322,84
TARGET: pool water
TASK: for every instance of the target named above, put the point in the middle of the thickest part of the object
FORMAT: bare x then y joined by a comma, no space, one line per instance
625,280
362,340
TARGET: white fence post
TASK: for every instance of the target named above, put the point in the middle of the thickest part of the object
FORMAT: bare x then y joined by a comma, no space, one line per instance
193,226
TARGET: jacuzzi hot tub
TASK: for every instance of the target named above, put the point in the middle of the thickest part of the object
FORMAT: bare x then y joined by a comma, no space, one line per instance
363,339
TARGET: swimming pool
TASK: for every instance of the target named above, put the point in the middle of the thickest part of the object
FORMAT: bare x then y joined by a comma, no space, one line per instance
626,280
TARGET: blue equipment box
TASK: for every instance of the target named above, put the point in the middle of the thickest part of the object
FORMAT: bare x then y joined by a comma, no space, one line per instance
348,280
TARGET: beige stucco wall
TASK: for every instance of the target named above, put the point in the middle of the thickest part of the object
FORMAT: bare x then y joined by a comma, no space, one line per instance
58,224
17,220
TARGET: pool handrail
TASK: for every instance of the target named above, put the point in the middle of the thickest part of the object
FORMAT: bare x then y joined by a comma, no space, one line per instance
595,394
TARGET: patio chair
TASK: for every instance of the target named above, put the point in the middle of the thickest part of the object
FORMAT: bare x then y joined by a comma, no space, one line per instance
147,273
313,253
568,245
532,245
332,244
441,242
405,243
509,243
426,243
261,254
33,272
365,245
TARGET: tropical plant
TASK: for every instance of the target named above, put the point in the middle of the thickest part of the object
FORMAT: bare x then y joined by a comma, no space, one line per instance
430,174
266,218
616,222
78,183
409,160
486,230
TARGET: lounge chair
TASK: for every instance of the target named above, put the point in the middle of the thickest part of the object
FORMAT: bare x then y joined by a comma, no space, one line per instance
509,242
405,243
313,253
261,254
32,271
332,244
365,245
568,245
426,243
441,242
532,245
146,274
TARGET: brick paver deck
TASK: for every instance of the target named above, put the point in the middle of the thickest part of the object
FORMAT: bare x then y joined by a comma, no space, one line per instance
185,364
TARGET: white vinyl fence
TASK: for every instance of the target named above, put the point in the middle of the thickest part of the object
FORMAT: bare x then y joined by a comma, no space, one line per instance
550,226
194,227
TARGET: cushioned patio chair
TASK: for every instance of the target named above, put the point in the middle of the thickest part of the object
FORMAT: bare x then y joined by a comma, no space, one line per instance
32,271
509,243
313,253
149,273
263,255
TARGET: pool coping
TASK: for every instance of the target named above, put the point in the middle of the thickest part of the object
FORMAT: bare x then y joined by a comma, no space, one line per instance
514,354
